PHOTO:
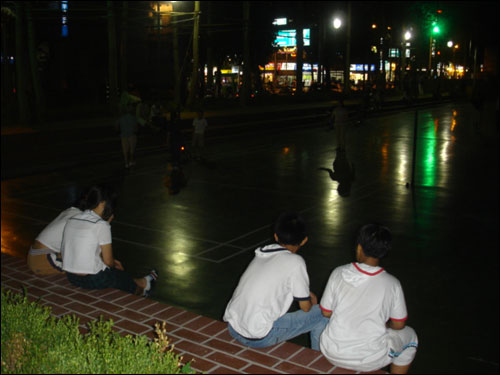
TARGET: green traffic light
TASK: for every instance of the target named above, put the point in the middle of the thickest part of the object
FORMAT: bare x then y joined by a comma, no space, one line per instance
436,29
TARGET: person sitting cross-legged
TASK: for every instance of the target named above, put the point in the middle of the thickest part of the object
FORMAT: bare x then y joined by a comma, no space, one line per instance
257,313
367,311
87,255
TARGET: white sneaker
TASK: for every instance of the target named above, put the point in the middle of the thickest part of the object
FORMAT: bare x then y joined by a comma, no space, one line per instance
151,282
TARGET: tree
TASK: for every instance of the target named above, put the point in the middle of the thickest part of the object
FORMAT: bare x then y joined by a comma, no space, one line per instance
112,59
40,102
21,66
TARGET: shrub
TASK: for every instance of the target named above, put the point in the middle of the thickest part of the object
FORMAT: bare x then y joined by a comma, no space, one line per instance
33,341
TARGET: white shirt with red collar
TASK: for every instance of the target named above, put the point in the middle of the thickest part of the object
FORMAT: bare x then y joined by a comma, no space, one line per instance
361,299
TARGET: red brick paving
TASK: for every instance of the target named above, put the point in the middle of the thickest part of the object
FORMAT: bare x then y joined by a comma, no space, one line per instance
199,338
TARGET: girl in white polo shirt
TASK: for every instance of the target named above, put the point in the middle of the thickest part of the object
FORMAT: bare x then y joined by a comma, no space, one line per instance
44,256
258,311
367,311
87,253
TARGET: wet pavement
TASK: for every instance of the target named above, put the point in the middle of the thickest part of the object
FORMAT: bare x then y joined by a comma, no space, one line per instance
445,225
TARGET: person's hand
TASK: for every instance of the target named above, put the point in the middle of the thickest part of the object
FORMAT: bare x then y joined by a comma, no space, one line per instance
314,299
111,219
118,265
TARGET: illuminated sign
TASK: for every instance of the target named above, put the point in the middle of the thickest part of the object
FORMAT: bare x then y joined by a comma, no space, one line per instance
362,68
279,21
64,19
393,52
286,38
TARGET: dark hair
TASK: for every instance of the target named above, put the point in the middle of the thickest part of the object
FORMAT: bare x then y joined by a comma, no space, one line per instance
290,229
81,202
375,239
99,193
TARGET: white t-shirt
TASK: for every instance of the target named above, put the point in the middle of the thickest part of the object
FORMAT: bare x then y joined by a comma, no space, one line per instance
362,299
199,125
83,237
51,236
266,290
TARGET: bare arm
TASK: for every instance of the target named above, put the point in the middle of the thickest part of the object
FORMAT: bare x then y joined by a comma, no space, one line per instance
326,314
107,255
396,324
108,259
307,305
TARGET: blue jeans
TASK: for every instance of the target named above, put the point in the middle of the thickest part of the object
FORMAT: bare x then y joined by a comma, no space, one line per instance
287,327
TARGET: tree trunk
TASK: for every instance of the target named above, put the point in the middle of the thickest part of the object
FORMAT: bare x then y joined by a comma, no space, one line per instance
35,74
112,60
210,51
177,78
194,76
246,53
347,67
21,69
321,42
300,49
7,84
123,47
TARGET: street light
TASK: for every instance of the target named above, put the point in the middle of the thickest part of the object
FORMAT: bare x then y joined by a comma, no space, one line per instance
337,23
407,36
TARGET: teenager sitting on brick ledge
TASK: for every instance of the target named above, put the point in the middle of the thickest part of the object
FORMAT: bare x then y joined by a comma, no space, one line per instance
87,256
257,313
367,311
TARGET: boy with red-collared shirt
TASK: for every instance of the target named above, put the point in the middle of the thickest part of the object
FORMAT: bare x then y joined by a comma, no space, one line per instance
367,311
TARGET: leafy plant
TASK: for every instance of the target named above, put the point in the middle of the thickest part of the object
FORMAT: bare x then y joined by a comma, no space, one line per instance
33,341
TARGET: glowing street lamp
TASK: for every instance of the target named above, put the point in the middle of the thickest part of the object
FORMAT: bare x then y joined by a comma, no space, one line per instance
337,23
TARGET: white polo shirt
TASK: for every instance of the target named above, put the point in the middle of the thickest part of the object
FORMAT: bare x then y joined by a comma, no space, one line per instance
83,237
266,290
362,299
51,235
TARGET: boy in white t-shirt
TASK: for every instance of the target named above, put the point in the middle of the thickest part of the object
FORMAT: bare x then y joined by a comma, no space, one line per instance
257,312
367,311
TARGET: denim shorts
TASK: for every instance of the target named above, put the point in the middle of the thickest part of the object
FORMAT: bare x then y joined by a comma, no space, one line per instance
109,278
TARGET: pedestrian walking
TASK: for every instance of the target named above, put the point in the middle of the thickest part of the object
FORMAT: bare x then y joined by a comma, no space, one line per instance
127,126
199,127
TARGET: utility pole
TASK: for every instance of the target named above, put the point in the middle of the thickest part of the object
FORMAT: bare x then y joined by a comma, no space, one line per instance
177,78
194,75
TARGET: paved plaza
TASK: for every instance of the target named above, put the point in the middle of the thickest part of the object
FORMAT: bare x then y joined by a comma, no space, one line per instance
445,224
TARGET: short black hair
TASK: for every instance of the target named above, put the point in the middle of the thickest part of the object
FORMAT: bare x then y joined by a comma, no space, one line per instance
290,229
375,239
